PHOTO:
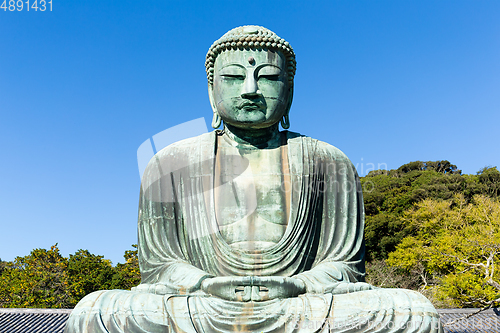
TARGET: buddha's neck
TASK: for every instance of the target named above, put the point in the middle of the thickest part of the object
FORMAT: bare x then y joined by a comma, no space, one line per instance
252,137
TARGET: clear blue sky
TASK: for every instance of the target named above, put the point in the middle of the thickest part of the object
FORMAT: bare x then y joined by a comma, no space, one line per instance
81,87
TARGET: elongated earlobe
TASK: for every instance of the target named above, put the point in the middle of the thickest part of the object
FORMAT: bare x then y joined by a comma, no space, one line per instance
285,122
216,121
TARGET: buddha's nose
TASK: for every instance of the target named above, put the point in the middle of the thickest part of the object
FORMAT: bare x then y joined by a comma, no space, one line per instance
250,87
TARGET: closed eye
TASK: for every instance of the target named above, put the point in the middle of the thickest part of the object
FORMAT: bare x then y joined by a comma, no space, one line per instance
270,77
233,76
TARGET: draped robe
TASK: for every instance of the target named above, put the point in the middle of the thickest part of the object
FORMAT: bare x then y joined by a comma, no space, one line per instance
180,245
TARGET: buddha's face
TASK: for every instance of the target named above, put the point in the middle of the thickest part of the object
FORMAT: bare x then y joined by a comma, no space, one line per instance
251,88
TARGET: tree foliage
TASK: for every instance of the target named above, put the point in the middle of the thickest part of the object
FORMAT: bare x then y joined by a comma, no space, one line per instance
458,245
424,217
35,281
86,273
46,279
395,191
127,275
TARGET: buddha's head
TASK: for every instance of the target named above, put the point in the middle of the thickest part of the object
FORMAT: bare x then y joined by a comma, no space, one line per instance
250,74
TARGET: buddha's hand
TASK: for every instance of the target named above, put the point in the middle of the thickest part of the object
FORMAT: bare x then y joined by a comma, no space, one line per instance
226,287
271,287
351,287
253,288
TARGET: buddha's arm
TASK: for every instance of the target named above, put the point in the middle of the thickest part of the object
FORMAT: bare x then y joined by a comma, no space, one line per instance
163,265
174,278
161,254
331,277
339,262
186,279
165,230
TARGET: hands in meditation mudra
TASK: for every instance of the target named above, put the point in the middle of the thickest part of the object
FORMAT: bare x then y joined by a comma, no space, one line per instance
248,228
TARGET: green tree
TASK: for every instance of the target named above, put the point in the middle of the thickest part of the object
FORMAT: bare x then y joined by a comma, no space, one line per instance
392,192
35,281
127,275
86,273
489,178
458,245
45,279
3,265
4,290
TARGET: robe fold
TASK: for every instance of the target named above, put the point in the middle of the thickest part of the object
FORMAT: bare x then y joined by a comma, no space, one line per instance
180,245
179,240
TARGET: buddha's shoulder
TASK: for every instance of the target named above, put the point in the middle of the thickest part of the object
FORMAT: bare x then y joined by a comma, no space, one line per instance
180,154
189,146
317,146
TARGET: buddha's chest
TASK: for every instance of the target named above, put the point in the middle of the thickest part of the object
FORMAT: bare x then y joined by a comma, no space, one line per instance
250,199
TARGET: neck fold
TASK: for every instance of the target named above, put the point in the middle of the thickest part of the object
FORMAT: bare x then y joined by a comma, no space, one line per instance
257,138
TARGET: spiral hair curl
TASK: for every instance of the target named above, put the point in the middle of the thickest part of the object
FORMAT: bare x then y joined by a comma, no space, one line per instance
250,37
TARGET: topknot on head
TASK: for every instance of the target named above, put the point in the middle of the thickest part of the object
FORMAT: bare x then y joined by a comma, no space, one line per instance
250,37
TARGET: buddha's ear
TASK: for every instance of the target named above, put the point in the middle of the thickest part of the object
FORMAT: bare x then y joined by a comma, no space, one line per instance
290,98
216,120
285,120
211,97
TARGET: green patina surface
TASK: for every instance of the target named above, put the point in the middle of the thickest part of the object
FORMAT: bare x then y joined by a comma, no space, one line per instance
249,228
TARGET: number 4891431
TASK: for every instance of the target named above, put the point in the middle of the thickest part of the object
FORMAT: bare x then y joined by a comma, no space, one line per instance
19,5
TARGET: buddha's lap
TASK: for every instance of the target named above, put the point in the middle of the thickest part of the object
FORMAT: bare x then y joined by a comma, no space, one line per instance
367,310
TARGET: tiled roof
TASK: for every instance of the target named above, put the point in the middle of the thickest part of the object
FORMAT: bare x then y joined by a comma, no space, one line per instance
487,321
33,320
53,320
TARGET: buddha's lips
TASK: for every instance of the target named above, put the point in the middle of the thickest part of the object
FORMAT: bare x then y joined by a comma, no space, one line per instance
251,105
